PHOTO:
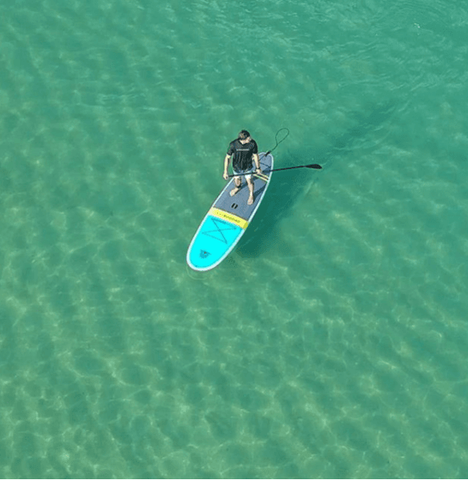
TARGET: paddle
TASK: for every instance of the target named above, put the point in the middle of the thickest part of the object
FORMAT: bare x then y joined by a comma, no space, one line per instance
313,165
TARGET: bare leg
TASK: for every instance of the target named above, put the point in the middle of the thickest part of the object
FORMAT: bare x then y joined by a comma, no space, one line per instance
238,185
250,184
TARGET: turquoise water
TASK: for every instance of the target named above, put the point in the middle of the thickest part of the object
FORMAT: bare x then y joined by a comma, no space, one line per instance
333,342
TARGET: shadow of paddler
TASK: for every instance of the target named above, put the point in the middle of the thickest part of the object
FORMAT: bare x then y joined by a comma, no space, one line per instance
288,187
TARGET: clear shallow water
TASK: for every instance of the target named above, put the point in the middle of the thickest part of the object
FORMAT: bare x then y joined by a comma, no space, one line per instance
333,342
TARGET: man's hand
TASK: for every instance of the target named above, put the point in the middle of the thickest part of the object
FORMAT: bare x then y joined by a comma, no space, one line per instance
225,176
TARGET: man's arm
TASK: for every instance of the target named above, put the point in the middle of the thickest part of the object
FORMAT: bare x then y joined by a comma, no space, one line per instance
227,159
257,161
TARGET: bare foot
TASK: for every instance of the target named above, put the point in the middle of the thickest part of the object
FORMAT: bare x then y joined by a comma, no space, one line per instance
250,200
235,190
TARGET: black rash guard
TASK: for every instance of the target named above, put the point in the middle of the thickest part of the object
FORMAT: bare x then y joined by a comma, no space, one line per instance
242,159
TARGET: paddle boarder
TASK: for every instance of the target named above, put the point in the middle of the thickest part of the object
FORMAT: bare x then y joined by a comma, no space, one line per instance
244,152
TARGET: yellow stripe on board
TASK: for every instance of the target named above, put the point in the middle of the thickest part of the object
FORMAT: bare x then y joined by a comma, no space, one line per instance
261,176
229,217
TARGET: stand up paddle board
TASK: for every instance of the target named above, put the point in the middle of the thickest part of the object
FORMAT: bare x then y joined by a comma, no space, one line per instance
227,220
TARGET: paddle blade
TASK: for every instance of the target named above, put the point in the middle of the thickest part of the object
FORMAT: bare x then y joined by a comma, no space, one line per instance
314,165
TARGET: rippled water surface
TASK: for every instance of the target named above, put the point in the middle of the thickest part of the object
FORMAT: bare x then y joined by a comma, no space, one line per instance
333,341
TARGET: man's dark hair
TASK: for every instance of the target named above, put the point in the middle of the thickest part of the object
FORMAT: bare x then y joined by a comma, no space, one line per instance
243,134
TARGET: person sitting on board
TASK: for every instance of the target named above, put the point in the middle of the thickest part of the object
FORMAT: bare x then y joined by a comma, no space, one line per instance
243,150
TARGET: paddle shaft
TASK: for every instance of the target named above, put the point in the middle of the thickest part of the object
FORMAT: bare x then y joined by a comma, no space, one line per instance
314,165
